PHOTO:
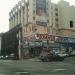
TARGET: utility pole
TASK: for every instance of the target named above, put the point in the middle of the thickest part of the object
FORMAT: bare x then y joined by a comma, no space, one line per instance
19,52
19,43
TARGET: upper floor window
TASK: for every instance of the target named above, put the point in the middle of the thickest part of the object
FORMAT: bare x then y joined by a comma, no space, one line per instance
56,19
71,24
56,9
56,24
56,14
34,11
48,21
33,18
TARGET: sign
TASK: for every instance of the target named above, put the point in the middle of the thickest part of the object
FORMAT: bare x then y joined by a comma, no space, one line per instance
33,44
51,37
71,40
41,15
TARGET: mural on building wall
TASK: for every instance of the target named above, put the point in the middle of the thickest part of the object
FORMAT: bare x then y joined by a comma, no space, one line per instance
41,12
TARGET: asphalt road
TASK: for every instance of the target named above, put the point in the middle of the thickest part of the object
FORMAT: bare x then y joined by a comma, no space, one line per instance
35,67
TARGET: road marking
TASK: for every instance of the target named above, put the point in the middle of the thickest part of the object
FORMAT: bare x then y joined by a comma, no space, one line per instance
61,69
2,74
22,72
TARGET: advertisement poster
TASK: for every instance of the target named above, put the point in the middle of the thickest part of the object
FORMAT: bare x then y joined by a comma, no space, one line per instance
41,12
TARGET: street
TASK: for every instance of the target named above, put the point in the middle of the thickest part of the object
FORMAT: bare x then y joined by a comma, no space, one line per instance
35,67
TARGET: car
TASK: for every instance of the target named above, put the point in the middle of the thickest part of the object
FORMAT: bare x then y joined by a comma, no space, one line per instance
50,56
72,53
12,56
1,57
63,54
6,57
56,51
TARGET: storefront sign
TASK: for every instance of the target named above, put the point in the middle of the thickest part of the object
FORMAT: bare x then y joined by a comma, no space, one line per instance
50,37
71,40
33,44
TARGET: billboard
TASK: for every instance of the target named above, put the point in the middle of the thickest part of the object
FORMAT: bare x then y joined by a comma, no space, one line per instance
41,16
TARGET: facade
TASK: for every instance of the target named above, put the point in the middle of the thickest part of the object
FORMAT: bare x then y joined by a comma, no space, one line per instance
66,15
52,22
43,17
10,42
54,18
34,21
0,42
18,15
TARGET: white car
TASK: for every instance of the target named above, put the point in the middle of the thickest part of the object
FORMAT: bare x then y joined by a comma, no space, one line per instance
63,54
72,53
6,57
1,57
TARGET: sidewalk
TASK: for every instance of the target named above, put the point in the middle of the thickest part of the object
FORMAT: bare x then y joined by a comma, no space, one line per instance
34,59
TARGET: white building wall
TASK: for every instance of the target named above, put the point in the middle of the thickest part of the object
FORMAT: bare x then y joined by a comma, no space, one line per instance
55,24
66,14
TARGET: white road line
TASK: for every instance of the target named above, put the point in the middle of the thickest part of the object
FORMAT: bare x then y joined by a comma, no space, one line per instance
61,69
22,72
2,74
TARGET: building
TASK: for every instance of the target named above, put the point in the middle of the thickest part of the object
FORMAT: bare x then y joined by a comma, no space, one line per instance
18,15
66,16
1,41
10,42
52,19
43,20
25,13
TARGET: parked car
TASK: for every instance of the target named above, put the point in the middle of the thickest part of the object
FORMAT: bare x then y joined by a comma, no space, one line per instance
63,54
6,57
1,57
72,53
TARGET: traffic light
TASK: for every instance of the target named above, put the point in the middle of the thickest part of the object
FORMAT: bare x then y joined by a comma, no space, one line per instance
71,23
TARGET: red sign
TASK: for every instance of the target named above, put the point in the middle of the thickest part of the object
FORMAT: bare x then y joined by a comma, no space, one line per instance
50,37
45,37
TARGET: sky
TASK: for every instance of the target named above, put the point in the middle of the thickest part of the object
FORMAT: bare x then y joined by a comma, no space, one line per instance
6,6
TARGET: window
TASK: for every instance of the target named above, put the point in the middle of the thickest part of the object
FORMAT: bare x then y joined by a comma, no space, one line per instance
48,21
27,15
24,30
34,28
34,11
71,24
52,23
56,24
33,18
56,9
30,29
56,19
51,7
28,9
56,14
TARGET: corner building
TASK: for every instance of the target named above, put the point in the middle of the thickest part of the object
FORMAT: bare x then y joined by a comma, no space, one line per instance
44,17
43,20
